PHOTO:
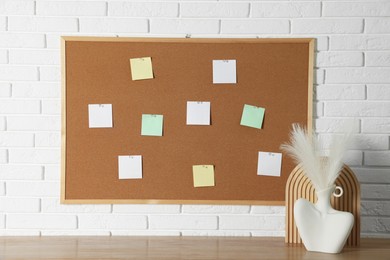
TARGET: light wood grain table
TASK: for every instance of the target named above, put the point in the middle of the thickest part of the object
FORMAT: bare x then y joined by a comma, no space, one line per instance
176,248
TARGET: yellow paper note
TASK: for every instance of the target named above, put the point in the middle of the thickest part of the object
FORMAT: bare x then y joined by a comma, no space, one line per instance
141,68
203,175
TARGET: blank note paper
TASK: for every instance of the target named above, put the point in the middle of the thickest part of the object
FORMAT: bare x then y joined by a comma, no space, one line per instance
224,72
269,164
198,113
130,166
152,125
100,115
203,175
252,116
141,68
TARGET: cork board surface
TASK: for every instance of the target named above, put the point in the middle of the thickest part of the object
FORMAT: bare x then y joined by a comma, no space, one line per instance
272,73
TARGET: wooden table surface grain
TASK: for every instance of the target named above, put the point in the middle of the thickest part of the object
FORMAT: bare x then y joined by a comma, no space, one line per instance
176,248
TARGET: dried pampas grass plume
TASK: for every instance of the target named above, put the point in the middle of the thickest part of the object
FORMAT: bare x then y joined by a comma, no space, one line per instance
322,166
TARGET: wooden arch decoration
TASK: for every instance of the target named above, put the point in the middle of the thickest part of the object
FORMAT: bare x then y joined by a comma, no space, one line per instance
299,186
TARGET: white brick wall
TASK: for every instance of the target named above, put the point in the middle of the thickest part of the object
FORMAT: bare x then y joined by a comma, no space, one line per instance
71,8
208,209
377,59
37,89
11,7
118,25
34,57
52,172
47,139
20,205
3,56
214,10
21,172
18,73
19,106
33,123
352,77
21,40
337,92
378,25
285,9
41,221
139,9
2,123
14,139
112,221
42,24
146,209
359,42
3,23
368,9
50,73
29,155
183,222
40,189
323,25
184,26
255,26
339,59
3,156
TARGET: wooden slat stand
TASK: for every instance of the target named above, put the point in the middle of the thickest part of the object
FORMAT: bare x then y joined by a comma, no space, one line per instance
299,186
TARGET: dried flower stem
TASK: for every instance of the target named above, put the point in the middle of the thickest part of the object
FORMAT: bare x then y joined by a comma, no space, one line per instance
308,150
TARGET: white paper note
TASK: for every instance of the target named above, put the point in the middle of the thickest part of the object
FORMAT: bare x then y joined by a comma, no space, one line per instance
269,164
224,72
130,166
100,115
198,113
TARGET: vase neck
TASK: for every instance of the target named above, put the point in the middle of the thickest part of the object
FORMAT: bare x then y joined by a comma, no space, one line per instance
323,199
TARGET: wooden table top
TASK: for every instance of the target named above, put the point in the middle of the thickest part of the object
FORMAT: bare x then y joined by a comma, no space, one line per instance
176,248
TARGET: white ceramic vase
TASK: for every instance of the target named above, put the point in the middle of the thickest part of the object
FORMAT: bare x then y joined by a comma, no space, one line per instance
322,228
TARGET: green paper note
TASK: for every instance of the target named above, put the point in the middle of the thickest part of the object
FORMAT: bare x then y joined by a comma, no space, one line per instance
152,125
141,68
203,175
252,116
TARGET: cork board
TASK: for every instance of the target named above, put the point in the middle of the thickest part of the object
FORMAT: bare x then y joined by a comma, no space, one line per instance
272,73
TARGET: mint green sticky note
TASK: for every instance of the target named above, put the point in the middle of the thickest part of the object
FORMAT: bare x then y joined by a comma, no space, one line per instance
252,116
152,125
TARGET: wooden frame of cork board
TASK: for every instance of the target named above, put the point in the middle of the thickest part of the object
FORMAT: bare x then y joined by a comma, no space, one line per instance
272,73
